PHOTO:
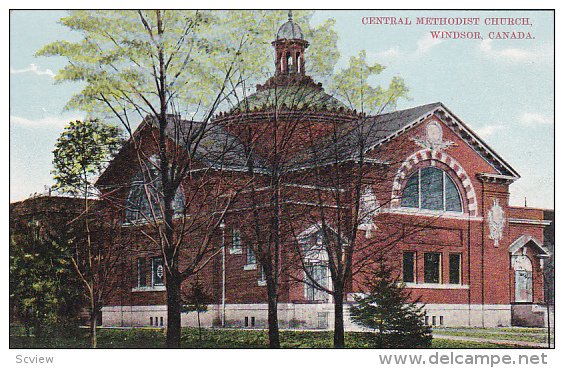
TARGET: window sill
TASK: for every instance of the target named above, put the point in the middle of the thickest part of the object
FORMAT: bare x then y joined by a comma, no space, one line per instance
235,251
248,267
426,212
261,283
148,288
141,222
412,285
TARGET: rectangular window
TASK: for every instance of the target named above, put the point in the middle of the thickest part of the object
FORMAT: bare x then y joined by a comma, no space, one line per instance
236,242
454,268
157,268
441,320
320,274
262,275
434,320
409,267
251,258
432,268
252,321
246,321
141,272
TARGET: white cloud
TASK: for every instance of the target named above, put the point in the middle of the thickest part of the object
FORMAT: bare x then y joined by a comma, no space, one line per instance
33,68
488,130
427,43
532,119
390,53
514,54
49,121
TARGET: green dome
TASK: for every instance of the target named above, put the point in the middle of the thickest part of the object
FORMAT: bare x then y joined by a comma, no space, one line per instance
295,97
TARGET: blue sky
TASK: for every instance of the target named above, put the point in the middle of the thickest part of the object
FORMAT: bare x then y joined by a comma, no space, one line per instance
503,89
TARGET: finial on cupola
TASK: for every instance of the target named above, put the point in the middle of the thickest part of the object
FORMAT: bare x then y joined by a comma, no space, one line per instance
290,15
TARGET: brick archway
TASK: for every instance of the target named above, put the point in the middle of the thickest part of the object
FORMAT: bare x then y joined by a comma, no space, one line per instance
424,155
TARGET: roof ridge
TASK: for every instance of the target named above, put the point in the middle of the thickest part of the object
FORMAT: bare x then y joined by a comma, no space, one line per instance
437,104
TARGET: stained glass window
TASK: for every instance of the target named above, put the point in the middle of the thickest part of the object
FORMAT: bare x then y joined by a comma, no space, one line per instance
145,198
431,189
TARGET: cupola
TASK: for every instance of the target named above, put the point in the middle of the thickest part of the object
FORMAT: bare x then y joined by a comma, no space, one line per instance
290,46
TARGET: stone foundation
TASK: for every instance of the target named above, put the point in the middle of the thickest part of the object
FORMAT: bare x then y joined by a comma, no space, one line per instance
300,316
529,315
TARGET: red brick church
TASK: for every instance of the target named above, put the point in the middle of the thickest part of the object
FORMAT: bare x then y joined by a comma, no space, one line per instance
434,195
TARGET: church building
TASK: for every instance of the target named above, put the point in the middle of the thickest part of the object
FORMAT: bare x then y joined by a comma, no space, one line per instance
434,202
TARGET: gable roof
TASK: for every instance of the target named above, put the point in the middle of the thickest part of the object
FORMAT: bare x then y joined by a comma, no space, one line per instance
523,240
372,131
212,144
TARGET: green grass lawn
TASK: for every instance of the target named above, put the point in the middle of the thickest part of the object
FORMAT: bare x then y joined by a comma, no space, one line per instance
515,334
147,338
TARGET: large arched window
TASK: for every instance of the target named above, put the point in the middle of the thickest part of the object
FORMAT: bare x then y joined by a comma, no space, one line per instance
430,188
146,198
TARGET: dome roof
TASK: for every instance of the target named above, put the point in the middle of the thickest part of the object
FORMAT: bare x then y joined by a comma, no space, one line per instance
293,97
289,31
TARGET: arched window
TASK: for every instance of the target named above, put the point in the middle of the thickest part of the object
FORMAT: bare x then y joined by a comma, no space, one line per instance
289,62
431,189
145,198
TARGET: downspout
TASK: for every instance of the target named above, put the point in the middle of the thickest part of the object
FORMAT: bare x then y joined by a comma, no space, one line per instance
468,275
483,251
222,227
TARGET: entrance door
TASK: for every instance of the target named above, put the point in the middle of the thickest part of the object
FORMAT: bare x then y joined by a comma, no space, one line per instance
523,279
523,286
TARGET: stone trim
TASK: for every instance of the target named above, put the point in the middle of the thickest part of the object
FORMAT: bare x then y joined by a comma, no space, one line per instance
468,193
412,285
529,221
140,289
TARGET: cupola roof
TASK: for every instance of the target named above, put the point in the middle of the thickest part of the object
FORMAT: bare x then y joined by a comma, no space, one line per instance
289,30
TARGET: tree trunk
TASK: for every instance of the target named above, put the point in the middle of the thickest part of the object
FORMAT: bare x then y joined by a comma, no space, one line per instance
199,327
93,325
273,332
173,312
339,333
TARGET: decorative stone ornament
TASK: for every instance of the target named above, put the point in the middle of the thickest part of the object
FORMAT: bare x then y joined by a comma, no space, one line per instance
433,139
368,208
496,222
160,271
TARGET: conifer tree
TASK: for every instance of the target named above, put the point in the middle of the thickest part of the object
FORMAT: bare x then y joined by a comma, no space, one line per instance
387,309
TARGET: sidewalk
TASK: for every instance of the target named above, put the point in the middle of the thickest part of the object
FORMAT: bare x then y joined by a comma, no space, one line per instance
524,344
